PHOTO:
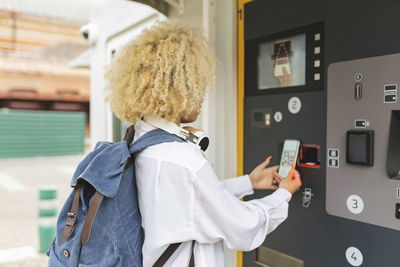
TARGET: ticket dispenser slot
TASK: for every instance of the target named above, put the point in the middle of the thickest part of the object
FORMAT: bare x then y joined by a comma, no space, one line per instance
393,154
309,156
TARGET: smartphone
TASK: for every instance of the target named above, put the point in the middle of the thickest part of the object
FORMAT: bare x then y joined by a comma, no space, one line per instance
289,156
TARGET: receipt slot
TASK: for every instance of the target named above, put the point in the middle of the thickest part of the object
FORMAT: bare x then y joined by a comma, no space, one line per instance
393,154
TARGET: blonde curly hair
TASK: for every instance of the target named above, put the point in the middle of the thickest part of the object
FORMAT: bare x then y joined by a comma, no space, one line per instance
164,72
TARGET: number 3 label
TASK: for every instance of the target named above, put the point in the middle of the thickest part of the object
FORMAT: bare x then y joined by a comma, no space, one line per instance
294,105
354,256
355,204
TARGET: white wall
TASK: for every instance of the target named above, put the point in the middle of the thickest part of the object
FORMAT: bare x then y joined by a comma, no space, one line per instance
218,118
118,21
226,101
219,112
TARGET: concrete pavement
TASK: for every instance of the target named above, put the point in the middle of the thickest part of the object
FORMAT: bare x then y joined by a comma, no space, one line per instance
20,180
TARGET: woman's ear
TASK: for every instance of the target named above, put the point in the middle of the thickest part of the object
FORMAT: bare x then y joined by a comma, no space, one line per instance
191,117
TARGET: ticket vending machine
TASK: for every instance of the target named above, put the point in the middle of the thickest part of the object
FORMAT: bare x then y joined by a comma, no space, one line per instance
327,73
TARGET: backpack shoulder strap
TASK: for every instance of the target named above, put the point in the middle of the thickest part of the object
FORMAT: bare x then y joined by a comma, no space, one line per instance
168,253
152,138
93,208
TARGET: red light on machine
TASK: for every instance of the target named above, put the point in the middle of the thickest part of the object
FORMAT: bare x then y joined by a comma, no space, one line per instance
309,156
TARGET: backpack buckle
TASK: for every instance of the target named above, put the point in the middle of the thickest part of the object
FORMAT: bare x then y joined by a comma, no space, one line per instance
70,224
71,215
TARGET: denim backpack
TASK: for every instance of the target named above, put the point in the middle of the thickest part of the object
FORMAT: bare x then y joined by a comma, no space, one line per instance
100,224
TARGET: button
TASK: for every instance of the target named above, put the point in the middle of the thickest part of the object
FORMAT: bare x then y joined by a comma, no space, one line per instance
333,163
267,119
391,88
317,50
317,37
317,76
317,63
278,116
334,153
392,98
66,253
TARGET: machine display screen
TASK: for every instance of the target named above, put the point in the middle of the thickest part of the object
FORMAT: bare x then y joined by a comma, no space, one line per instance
282,63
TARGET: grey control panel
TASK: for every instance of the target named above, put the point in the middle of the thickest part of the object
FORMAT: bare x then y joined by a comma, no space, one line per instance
363,147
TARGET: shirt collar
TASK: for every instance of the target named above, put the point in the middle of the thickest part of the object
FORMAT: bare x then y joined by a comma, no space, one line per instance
142,127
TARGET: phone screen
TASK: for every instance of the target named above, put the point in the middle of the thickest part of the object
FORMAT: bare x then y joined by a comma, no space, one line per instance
289,156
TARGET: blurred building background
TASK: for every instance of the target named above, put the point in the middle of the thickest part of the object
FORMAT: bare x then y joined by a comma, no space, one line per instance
39,41
52,99
44,116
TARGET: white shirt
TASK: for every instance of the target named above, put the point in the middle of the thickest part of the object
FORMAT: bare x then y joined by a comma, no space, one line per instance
181,199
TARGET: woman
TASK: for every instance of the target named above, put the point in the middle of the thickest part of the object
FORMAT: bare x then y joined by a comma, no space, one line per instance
163,75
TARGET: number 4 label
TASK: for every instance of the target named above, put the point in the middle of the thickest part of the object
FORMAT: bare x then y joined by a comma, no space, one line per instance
354,256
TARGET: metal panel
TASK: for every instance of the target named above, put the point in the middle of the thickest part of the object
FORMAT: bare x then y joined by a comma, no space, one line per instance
41,133
370,183
353,30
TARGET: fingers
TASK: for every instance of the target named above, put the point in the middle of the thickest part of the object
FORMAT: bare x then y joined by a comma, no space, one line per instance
274,187
275,168
264,163
294,176
277,176
278,179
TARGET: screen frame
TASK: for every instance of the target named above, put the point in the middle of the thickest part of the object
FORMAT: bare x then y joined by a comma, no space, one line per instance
251,61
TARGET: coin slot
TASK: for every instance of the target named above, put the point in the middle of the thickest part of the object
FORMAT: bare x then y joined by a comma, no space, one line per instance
358,91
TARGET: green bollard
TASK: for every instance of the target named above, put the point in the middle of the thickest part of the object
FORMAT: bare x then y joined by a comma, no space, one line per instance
47,216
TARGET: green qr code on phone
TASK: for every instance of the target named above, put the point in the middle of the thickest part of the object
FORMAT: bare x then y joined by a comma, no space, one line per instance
288,158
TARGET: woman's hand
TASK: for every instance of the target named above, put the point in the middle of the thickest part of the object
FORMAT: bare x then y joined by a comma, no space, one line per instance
264,178
291,183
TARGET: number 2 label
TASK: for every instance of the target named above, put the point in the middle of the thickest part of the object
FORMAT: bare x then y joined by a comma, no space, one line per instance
294,105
